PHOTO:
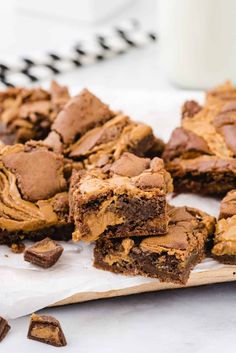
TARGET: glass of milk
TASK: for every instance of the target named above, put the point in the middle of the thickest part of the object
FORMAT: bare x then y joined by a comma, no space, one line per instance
198,41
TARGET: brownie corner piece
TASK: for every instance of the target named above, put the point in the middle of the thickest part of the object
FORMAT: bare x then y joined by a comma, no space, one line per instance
169,257
46,329
44,253
128,198
224,248
4,328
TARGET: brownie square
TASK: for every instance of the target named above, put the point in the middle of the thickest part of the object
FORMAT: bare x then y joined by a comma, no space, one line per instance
224,249
169,257
33,198
105,144
126,198
201,153
29,113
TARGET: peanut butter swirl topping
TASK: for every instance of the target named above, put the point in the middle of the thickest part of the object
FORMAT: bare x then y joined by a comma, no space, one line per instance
27,193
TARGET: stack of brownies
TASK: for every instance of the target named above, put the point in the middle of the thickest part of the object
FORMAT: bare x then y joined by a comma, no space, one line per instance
73,168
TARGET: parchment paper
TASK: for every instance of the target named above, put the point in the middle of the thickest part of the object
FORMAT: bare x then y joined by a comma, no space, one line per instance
25,288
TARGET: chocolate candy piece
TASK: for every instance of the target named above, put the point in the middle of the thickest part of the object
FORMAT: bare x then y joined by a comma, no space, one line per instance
46,329
4,328
44,253
190,108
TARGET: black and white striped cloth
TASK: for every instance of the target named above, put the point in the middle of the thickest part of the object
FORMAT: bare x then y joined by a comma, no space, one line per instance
35,68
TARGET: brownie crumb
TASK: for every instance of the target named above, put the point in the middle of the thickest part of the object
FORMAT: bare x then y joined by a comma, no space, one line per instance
17,248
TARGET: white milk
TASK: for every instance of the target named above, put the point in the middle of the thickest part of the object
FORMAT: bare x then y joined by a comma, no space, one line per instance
198,41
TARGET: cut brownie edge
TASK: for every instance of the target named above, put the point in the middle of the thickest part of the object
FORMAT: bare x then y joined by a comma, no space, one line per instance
63,232
147,269
226,259
128,198
169,257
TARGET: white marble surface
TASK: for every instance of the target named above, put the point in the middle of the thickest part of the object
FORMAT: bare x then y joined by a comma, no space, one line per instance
196,320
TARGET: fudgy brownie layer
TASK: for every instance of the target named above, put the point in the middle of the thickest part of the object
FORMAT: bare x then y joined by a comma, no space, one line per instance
63,232
226,259
205,184
165,268
140,216
168,257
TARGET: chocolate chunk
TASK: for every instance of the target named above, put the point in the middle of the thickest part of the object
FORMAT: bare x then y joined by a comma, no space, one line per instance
80,114
229,134
44,253
4,328
150,181
190,108
130,165
185,143
39,172
46,329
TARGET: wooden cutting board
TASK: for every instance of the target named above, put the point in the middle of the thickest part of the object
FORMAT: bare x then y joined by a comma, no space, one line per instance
224,274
